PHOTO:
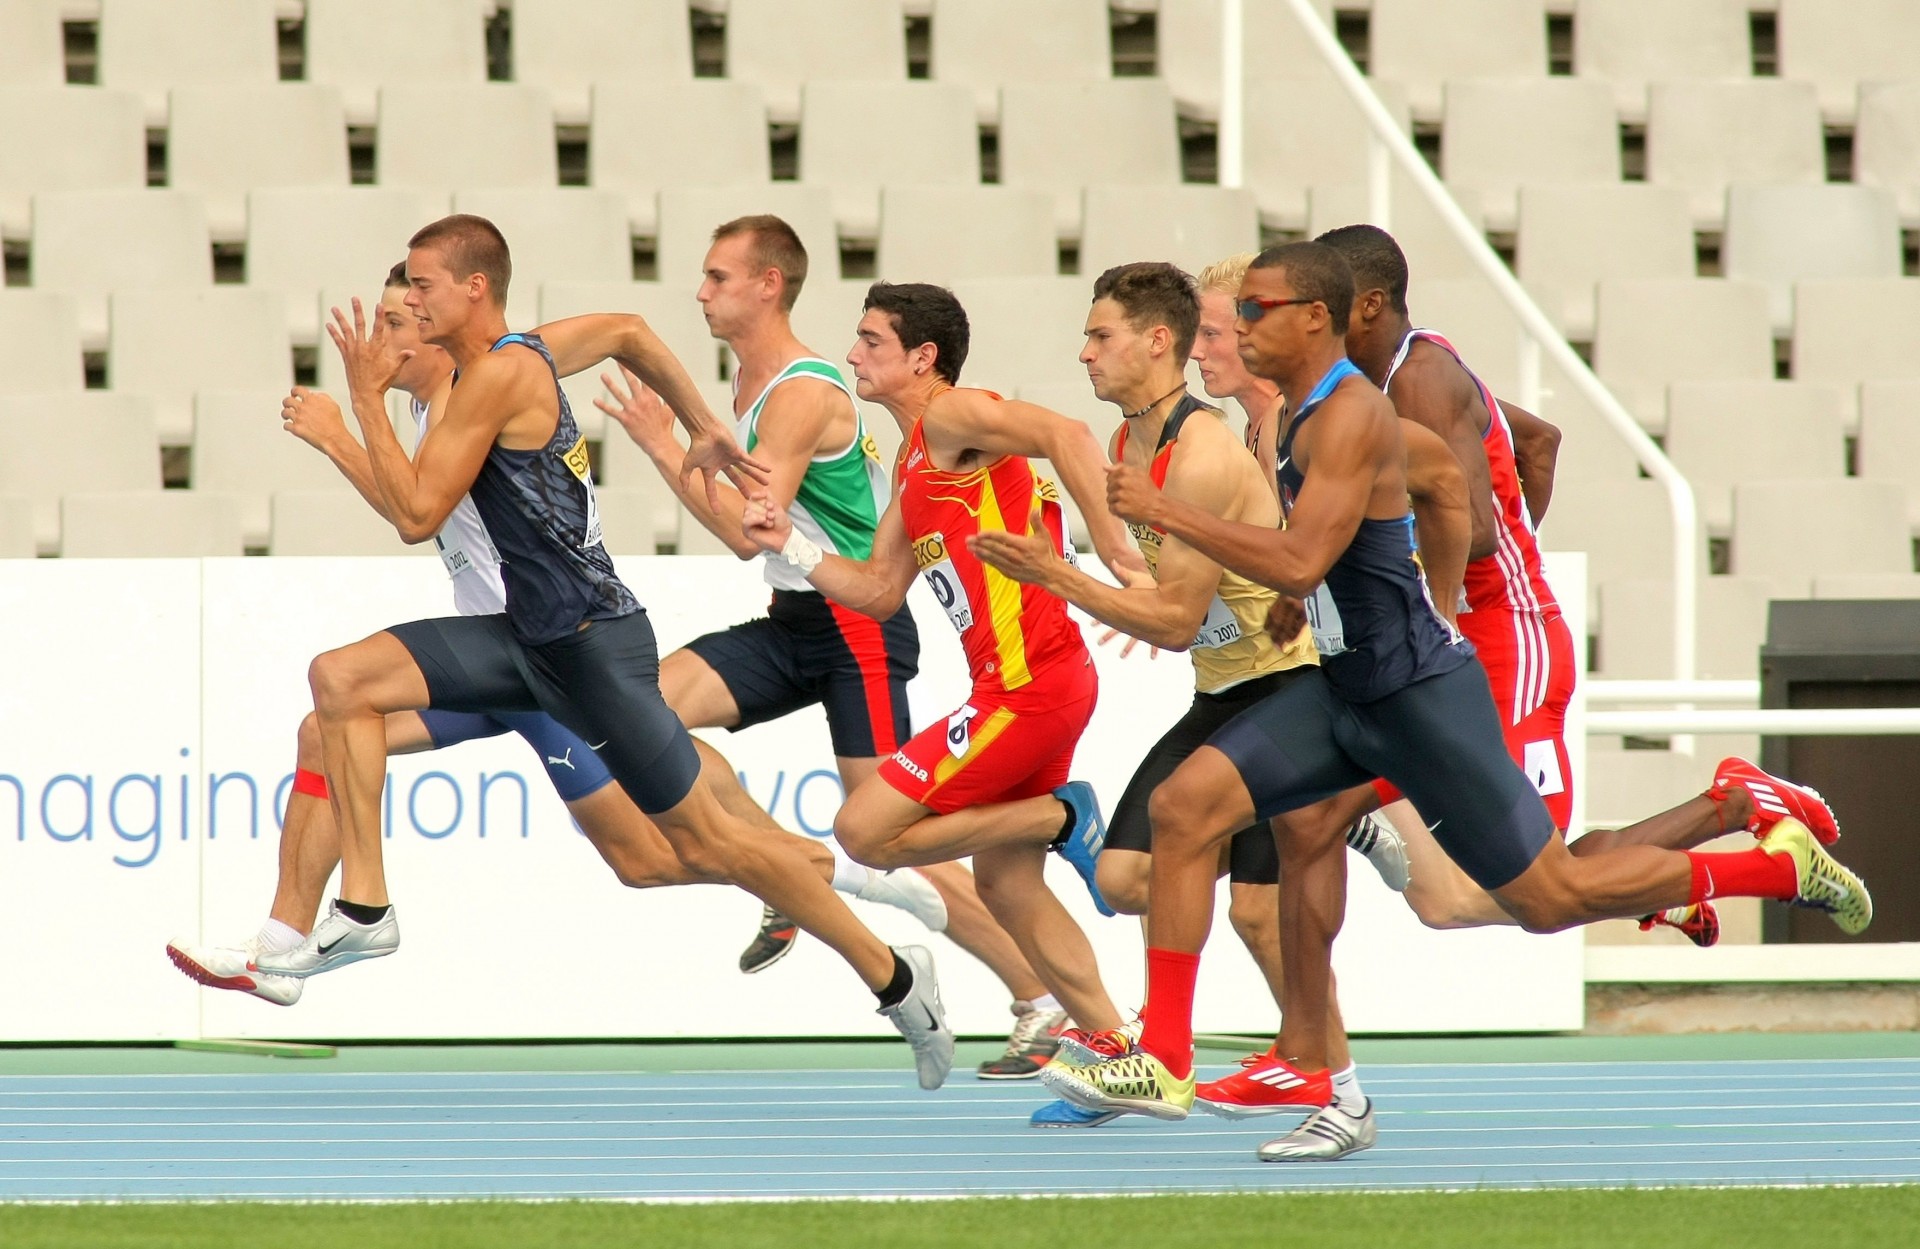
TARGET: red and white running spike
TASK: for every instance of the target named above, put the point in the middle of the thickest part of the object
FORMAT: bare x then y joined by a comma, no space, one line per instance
1775,799
1699,922
1265,1084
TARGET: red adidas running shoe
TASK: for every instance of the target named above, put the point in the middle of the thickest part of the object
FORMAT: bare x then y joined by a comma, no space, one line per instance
1775,799
1266,1084
1698,923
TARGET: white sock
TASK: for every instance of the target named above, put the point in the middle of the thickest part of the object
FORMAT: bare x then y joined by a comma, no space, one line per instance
1046,1001
1346,1091
275,936
848,876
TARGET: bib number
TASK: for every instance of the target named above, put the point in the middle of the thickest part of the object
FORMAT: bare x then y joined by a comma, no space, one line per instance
1323,618
943,579
1221,627
582,469
1541,762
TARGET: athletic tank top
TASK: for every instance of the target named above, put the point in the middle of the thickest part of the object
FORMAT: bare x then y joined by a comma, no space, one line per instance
1375,628
1232,645
465,548
539,507
1011,632
841,497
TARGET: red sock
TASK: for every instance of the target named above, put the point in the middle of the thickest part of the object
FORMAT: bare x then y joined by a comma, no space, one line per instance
1167,1019
312,784
1742,874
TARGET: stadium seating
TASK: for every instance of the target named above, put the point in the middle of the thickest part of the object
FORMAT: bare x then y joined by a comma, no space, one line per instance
944,234
242,452
1191,226
1573,237
1625,527
39,343
839,151
1703,136
1636,628
1838,46
569,234
1431,249
637,521
1886,142
1791,532
984,45
1482,328
91,243
71,444
32,44
366,46
1889,447
1628,44
166,345
780,45
332,522
1026,331
66,139
1500,134
654,135
1868,585
16,528
1276,48
157,46
1060,137
670,311
133,524
1782,234
1422,45
1723,433
1650,333
225,142
694,538
300,242
569,46
1301,134
491,134
1856,331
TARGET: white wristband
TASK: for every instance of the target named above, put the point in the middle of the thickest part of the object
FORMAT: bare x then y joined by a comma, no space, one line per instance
802,552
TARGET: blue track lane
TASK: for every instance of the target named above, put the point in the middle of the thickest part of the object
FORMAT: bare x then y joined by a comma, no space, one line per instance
768,1134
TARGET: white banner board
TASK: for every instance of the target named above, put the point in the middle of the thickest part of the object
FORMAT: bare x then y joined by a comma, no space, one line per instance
146,746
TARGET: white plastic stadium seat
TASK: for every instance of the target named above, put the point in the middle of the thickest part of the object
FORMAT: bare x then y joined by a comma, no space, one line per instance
1648,334
1856,331
570,234
66,139
225,141
241,451
632,520
1103,419
1783,234
1500,134
39,343
1627,44
1431,249
1482,328
1702,136
1889,448
493,134
647,136
1302,134
16,528
32,44
780,44
943,234
827,315
1274,48
168,344
568,46
1623,526
89,243
694,538
671,312
332,522
985,44
1574,237
1590,449
364,46
838,152
300,242
1868,585
1839,44
1026,331
41,441
688,216
1189,226
1861,528
156,46
1886,143
149,524
1723,433
1061,137
1636,628
1421,44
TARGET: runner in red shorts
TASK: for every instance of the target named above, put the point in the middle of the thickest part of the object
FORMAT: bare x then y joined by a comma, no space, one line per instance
991,779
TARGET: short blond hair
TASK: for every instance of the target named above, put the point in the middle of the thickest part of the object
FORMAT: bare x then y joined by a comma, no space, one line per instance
1223,277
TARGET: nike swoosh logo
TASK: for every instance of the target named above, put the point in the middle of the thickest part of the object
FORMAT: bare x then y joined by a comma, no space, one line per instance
596,746
329,945
932,1023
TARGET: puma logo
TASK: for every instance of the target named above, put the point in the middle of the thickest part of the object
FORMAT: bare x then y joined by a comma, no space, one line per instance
565,760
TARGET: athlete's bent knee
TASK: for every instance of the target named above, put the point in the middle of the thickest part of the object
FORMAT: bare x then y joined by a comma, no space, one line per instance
1255,915
1179,817
1123,885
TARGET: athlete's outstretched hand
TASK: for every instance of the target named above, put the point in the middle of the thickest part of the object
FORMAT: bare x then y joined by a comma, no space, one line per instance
713,451
313,417
643,414
1131,494
1285,618
371,362
765,522
1026,557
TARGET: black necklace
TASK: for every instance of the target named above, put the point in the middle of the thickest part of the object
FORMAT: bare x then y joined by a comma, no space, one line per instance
1126,415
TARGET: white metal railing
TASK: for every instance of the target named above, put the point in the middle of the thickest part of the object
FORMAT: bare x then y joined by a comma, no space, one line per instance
1767,721
1746,693
1388,146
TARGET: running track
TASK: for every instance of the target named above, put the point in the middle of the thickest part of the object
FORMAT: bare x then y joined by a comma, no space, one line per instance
288,1131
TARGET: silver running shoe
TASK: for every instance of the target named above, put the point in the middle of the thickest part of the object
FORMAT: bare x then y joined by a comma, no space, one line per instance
911,892
1331,1133
1378,842
225,967
922,1020
334,942
1035,1039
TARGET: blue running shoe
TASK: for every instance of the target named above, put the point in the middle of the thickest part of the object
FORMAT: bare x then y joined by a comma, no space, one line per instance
1064,1114
1082,844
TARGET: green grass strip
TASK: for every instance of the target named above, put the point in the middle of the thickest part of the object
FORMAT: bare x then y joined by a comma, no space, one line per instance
1583,1219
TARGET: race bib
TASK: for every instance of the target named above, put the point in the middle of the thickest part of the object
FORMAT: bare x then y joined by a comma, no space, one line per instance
578,464
1541,762
1221,627
943,579
960,732
1323,618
